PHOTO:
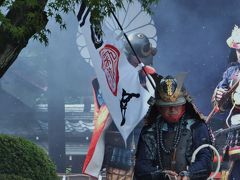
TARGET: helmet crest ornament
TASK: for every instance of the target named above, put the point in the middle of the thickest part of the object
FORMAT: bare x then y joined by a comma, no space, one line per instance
170,91
234,40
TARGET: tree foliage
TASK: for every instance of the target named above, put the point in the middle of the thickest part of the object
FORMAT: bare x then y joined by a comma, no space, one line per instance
12,177
54,9
20,157
20,20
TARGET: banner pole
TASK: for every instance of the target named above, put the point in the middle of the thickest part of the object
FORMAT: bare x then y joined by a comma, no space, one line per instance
134,52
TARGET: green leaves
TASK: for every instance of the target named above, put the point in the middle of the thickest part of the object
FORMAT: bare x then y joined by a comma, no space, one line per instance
42,36
24,159
33,10
23,17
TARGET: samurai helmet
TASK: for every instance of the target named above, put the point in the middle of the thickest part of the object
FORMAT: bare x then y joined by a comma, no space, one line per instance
142,46
234,40
170,91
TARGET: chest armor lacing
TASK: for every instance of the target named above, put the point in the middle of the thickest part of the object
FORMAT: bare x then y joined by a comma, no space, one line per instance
174,147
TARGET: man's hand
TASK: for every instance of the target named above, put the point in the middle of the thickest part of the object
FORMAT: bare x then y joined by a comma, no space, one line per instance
183,178
170,174
219,94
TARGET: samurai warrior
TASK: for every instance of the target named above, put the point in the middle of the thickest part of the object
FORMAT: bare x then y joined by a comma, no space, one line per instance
173,131
227,84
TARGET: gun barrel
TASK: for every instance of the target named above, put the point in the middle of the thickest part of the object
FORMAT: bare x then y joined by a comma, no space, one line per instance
223,131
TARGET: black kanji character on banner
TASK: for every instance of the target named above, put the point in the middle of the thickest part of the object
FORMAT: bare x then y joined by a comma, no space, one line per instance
126,97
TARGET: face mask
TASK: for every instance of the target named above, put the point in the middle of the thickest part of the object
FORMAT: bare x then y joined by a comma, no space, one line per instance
173,117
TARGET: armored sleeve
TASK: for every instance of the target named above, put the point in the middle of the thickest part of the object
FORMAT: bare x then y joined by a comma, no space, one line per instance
145,167
224,83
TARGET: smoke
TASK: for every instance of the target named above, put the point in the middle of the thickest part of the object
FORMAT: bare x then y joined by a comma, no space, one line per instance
192,38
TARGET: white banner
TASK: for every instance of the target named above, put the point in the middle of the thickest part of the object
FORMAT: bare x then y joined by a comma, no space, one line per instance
119,81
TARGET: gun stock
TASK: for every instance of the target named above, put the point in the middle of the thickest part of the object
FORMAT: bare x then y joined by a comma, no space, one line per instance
223,100
228,94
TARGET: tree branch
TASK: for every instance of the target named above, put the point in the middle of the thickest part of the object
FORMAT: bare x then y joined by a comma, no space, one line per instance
1,2
11,45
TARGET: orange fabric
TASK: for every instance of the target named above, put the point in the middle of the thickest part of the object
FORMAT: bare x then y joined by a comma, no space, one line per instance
149,70
101,114
98,129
